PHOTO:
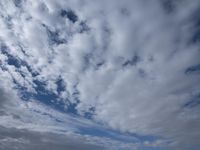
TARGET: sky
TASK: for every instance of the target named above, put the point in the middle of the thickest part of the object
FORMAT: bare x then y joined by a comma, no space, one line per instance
99,75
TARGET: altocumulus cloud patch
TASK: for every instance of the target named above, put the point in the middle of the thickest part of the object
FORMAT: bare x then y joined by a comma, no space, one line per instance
81,74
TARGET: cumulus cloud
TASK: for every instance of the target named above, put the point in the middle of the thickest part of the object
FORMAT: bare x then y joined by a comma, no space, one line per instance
132,66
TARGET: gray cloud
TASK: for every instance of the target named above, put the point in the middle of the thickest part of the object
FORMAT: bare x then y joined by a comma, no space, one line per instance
11,139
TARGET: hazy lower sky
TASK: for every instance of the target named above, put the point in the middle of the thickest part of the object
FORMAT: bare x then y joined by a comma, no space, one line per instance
99,74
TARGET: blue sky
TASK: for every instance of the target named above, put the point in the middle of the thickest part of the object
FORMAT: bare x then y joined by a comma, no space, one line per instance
99,75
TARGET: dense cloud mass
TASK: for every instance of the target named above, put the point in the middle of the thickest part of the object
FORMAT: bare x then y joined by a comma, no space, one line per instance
13,139
101,74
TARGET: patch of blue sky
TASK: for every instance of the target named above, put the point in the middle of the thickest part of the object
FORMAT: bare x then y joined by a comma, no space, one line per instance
51,99
42,95
16,62
70,15
132,62
193,69
194,101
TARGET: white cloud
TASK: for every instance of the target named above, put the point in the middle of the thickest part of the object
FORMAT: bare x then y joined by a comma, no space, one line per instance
129,65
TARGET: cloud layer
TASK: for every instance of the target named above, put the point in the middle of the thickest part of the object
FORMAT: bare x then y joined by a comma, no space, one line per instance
130,66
